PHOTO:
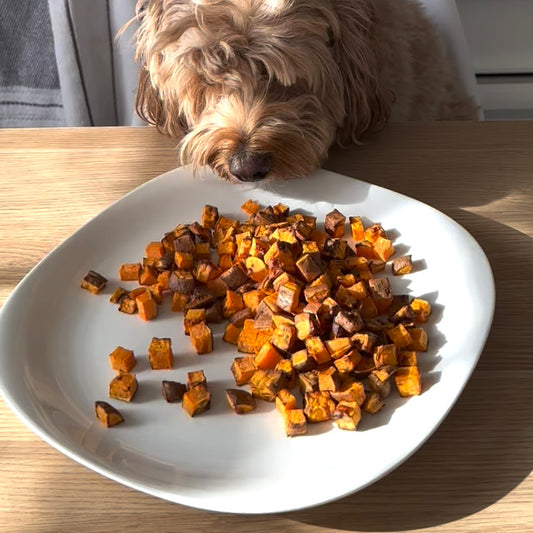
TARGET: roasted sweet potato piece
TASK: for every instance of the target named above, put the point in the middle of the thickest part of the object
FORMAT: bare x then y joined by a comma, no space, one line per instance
339,346
146,306
350,321
385,354
379,382
181,281
268,357
402,265
286,368
419,340
255,268
231,334
93,282
127,305
232,303
209,216
408,381
284,337
121,359
251,338
201,338
154,250
192,317
348,362
234,277
364,341
243,369
129,272
160,353
123,387
334,223
421,309
407,358
196,400
107,414
351,391
329,379
265,384
347,415
302,361
173,391
196,377
117,295
373,403
381,293
306,325
240,401
308,267
383,248
317,350
295,422
285,401
318,406
400,336
280,255
179,301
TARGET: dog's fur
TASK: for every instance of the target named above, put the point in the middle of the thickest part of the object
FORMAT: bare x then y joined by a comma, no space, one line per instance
287,78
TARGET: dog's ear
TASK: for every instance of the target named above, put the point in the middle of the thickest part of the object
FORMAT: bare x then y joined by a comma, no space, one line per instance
153,110
366,106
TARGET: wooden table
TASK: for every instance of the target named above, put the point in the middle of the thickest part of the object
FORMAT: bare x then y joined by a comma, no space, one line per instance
473,474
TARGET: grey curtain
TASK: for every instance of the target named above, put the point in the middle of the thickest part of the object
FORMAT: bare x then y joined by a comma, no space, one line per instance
62,65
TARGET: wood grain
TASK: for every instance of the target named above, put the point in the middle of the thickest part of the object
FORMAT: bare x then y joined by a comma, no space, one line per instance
473,474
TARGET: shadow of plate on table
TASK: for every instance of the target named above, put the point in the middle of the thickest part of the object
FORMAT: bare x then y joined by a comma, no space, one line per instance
477,455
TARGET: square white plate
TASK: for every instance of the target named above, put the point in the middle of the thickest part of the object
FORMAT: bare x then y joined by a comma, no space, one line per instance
55,339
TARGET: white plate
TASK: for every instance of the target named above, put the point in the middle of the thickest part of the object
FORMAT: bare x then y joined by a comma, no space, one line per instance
55,339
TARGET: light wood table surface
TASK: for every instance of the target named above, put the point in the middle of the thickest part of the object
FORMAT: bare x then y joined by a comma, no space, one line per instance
473,474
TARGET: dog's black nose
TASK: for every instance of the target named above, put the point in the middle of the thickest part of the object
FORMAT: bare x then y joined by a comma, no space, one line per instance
249,166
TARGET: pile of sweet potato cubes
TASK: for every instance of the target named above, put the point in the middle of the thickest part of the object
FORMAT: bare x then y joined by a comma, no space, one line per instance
310,309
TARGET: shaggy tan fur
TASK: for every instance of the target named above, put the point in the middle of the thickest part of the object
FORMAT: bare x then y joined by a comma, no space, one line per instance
285,79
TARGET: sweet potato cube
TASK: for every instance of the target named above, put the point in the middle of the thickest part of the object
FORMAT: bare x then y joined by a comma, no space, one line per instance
209,216
154,250
338,347
317,350
253,298
181,281
192,317
117,295
284,337
123,387
400,336
173,391
231,334
364,341
348,362
265,384
373,403
407,358
302,361
285,401
295,422
351,391
268,357
367,308
107,414
201,338
334,223
184,260
243,369
379,382
356,226
383,248
408,381
365,249
286,368
196,400
402,265
252,338
318,406
225,262
127,305
232,303
349,321
288,297
381,292
179,302
234,277
216,287
160,353
421,309
385,354
196,377
316,293
93,282
205,270
255,268
372,233
280,255
146,306
148,276
329,379
121,359
419,340
250,207
129,272
347,415
240,401
306,325
376,265
308,267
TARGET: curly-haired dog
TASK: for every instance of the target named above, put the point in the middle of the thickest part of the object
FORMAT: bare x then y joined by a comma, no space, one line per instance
263,88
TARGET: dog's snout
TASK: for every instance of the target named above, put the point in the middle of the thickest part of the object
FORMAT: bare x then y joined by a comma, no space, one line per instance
249,166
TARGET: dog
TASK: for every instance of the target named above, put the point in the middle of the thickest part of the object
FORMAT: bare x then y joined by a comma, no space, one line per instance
262,89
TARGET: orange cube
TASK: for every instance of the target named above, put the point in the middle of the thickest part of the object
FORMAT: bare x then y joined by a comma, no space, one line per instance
154,250
160,353
129,272
419,340
231,334
358,231
383,248
122,359
317,350
408,381
146,306
201,338
123,387
268,357
399,336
